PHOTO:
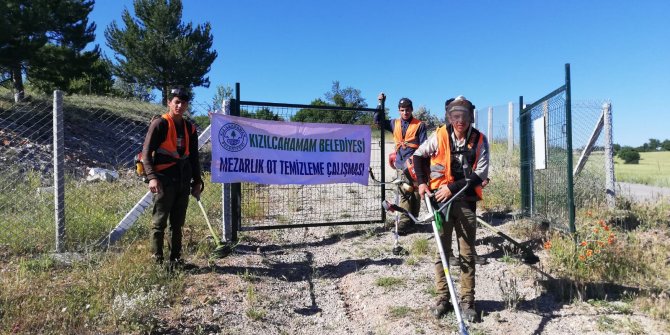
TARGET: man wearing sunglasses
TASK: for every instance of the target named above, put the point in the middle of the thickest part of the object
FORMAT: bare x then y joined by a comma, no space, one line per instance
172,165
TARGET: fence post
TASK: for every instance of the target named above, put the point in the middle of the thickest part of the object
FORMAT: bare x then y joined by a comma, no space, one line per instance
524,158
510,127
610,179
568,135
225,189
235,188
59,180
489,133
473,121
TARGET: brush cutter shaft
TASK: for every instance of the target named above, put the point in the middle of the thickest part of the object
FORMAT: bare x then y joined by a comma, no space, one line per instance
453,197
209,225
445,264
503,235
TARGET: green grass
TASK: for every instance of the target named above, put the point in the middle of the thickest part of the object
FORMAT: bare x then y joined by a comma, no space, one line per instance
398,312
92,210
653,169
420,246
389,282
502,193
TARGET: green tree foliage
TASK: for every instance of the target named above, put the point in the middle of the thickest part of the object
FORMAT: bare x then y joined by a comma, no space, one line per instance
45,39
423,114
156,49
341,97
654,144
134,91
261,114
629,155
665,145
222,93
97,79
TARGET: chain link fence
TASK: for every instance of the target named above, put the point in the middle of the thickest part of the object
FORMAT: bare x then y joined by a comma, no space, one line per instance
26,161
590,156
101,136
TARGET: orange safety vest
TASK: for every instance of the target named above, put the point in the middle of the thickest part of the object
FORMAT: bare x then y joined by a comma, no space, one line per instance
411,139
167,153
440,163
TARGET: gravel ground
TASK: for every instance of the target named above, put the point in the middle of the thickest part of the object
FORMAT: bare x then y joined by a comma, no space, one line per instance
329,280
346,280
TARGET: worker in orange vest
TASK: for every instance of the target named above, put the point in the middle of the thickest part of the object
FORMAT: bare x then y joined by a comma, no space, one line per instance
455,152
408,133
172,166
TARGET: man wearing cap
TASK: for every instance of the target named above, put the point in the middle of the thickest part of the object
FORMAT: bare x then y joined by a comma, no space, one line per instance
456,152
170,159
408,134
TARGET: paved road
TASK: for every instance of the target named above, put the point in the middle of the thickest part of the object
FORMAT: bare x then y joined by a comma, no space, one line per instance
642,193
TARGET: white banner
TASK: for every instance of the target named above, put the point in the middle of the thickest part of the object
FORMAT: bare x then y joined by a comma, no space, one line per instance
278,152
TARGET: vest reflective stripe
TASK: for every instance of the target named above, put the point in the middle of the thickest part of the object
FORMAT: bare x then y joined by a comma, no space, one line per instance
411,139
440,163
168,148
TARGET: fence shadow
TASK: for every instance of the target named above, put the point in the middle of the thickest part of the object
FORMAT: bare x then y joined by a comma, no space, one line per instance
330,240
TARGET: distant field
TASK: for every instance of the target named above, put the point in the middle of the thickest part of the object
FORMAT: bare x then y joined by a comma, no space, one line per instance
654,169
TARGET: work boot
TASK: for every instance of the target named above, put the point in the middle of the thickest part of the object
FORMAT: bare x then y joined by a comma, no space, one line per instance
441,308
468,312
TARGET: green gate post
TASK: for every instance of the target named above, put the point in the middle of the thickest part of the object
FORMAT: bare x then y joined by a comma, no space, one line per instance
236,188
524,164
382,146
568,135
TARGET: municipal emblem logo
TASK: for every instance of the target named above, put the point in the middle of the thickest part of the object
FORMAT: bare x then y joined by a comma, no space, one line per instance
232,137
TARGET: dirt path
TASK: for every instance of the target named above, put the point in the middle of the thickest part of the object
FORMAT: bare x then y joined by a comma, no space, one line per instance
345,280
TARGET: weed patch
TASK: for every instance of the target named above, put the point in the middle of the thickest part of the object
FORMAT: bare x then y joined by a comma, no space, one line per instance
389,282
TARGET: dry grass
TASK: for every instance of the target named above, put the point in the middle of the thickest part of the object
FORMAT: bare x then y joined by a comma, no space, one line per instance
502,193
102,293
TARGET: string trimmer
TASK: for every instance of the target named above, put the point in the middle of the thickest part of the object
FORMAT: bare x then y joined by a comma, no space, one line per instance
221,250
437,226
401,186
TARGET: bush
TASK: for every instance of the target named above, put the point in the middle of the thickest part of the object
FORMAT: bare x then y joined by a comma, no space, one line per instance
629,156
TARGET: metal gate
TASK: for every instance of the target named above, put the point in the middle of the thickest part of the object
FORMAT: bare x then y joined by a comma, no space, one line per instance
546,158
262,206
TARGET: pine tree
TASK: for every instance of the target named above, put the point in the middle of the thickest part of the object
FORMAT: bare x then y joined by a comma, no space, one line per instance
158,50
45,39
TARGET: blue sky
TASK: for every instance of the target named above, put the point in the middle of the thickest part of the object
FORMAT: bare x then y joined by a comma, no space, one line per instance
490,51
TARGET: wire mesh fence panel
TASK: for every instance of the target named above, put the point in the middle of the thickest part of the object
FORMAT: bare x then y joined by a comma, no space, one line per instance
264,206
547,163
26,162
